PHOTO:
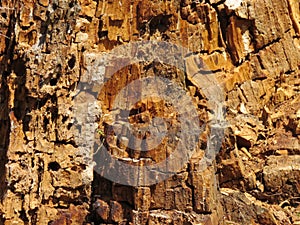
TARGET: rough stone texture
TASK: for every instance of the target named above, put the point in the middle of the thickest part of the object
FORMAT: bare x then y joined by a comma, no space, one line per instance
252,48
245,209
281,177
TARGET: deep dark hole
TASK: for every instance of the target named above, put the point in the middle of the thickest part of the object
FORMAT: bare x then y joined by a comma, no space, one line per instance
69,126
46,122
4,15
19,67
23,216
101,33
64,119
289,182
53,81
71,62
54,6
160,22
54,166
134,111
54,112
26,122
71,4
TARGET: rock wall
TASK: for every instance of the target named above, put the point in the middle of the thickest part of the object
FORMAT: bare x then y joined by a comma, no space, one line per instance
250,47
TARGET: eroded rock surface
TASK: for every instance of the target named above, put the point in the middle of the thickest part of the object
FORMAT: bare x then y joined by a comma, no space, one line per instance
251,47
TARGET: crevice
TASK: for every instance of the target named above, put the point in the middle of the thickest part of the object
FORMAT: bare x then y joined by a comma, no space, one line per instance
224,21
260,62
5,123
277,40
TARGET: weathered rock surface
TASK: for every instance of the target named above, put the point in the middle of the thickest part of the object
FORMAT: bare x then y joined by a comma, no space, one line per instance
251,47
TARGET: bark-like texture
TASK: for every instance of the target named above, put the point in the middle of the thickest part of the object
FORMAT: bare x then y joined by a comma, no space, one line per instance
252,48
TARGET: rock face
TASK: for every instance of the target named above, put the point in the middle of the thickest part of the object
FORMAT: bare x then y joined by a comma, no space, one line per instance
250,48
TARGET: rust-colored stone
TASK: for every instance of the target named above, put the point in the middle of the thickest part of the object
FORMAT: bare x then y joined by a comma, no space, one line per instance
250,47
